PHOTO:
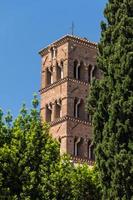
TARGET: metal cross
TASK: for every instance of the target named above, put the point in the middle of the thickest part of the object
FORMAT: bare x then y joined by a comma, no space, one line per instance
72,28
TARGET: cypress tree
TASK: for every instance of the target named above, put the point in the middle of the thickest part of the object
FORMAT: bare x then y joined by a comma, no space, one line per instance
111,102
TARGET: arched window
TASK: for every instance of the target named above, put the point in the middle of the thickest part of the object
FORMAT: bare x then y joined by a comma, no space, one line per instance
79,108
49,74
91,73
53,52
58,109
78,144
62,69
91,154
59,69
76,107
76,72
48,112
81,71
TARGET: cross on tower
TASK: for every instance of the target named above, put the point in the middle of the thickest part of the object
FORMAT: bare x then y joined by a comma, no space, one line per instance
72,28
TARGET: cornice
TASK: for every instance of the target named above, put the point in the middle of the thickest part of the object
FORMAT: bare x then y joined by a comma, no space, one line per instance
67,38
60,82
78,160
69,118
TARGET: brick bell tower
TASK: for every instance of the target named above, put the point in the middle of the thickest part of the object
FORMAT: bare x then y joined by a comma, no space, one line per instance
68,67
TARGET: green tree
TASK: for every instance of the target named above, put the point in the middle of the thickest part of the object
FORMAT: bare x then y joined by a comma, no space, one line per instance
26,161
85,183
31,166
111,102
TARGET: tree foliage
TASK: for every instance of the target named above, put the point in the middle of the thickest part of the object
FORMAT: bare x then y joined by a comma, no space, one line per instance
111,102
31,166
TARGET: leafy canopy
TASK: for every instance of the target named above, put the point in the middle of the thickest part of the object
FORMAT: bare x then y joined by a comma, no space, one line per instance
31,166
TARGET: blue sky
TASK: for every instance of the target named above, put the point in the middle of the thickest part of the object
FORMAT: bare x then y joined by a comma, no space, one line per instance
28,25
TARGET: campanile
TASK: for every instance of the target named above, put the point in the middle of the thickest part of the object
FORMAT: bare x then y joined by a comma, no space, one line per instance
68,67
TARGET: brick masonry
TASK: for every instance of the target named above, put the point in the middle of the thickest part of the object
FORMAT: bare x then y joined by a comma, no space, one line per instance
73,131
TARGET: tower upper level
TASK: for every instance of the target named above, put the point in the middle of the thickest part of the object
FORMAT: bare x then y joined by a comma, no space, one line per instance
69,57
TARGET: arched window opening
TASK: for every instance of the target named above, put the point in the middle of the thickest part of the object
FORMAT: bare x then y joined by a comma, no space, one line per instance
81,110
58,109
76,69
48,112
81,71
91,154
76,107
53,52
58,68
78,145
49,76
62,69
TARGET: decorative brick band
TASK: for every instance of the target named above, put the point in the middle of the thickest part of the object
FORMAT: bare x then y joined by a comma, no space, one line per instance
60,82
76,159
53,85
65,118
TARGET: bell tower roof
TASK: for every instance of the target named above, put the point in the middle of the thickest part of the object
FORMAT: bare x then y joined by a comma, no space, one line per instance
67,38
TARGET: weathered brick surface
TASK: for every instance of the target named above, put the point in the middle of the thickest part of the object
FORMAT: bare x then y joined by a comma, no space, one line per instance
68,128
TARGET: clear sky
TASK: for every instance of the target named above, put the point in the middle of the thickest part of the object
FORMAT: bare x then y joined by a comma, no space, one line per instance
28,25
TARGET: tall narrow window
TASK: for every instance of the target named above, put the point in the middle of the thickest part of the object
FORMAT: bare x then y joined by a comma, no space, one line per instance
78,146
49,75
76,151
81,110
91,154
62,69
48,112
58,109
81,71
75,69
59,71
53,52
58,68
76,107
